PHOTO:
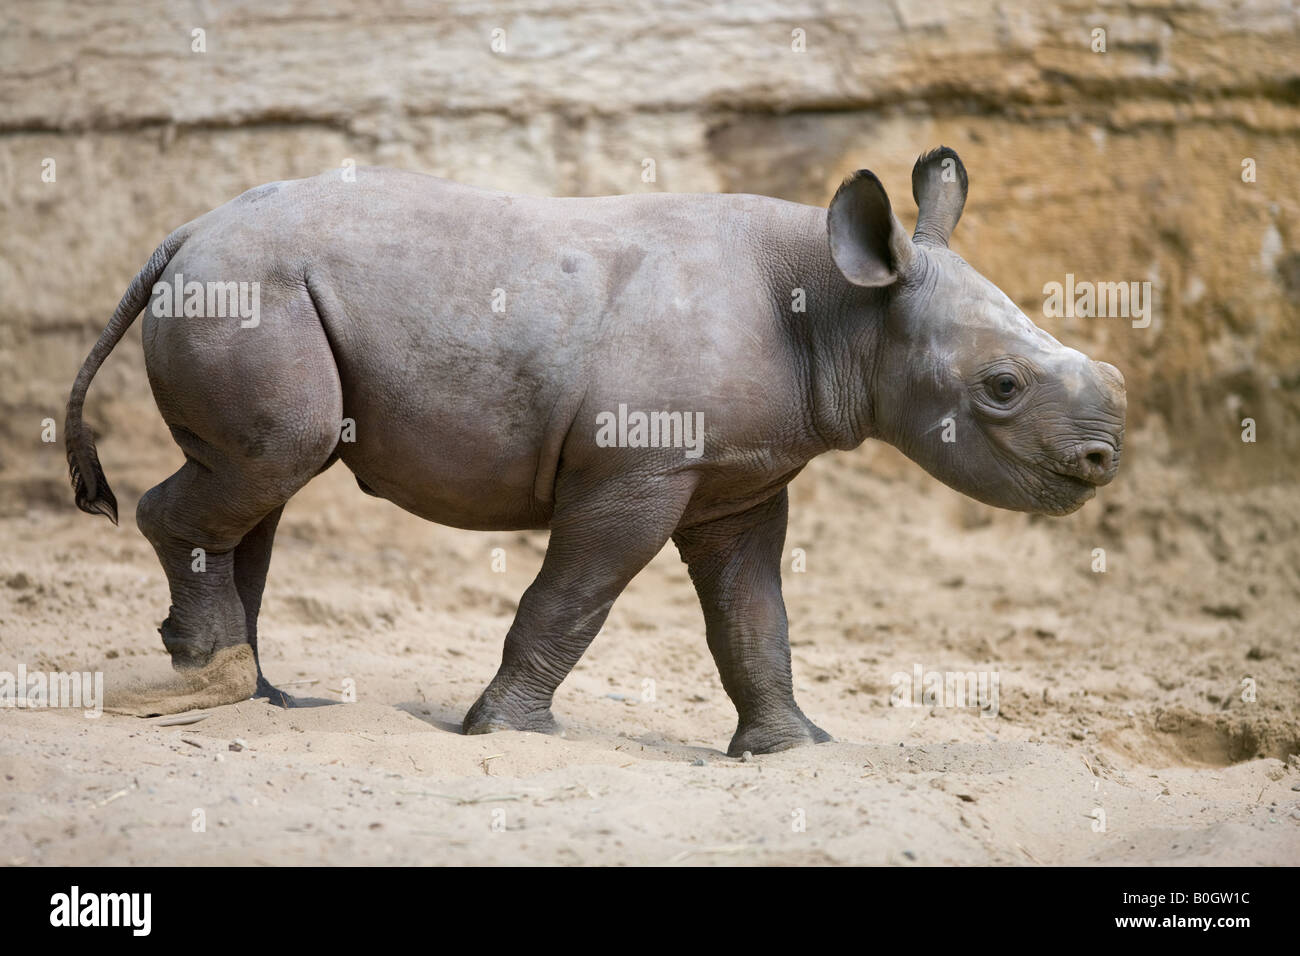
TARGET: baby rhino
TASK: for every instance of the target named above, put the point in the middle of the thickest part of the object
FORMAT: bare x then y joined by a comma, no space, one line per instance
622,370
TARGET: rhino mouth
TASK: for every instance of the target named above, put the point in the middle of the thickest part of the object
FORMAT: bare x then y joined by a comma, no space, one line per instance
1077,482
1076,492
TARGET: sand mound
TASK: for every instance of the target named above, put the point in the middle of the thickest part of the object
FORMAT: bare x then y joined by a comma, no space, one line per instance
231,676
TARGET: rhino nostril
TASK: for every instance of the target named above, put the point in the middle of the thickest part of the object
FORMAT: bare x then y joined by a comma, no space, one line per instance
1095,461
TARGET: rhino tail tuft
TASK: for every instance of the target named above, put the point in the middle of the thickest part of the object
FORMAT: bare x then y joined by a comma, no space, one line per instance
90,487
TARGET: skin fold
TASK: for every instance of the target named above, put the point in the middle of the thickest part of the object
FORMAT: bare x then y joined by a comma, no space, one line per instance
455,347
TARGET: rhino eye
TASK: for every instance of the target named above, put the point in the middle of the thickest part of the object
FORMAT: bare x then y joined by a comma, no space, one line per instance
1004,387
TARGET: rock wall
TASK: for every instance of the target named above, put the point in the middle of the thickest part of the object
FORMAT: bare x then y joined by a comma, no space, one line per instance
1117,166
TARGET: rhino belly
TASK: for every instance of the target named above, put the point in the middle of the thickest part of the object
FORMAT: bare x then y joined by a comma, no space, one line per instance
456,439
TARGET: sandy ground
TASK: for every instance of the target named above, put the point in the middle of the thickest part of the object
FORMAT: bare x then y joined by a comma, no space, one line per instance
1122,735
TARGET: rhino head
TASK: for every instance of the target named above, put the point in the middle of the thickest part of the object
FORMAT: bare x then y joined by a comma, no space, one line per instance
960,380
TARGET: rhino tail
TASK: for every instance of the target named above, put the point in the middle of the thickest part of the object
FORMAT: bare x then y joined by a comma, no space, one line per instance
90,487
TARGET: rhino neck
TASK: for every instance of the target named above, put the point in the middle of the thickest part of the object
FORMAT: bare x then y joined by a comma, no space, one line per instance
836,339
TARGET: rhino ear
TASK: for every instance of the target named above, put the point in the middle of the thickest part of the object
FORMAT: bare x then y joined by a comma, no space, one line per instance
868,243
939,188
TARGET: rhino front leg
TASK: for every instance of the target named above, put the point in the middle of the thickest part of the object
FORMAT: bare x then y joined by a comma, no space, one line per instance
600,538
735,563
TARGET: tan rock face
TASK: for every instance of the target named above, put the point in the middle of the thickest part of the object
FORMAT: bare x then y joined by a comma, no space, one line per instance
1119,166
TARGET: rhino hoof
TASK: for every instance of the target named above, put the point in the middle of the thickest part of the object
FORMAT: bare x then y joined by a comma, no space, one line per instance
769,737
267,691
186,654
481,720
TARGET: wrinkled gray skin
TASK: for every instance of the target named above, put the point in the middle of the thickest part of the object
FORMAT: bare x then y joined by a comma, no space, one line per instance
376,305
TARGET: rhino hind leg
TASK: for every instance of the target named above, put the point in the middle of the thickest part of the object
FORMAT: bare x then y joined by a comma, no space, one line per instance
205,613
252,561
197,521
735,564
212,523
